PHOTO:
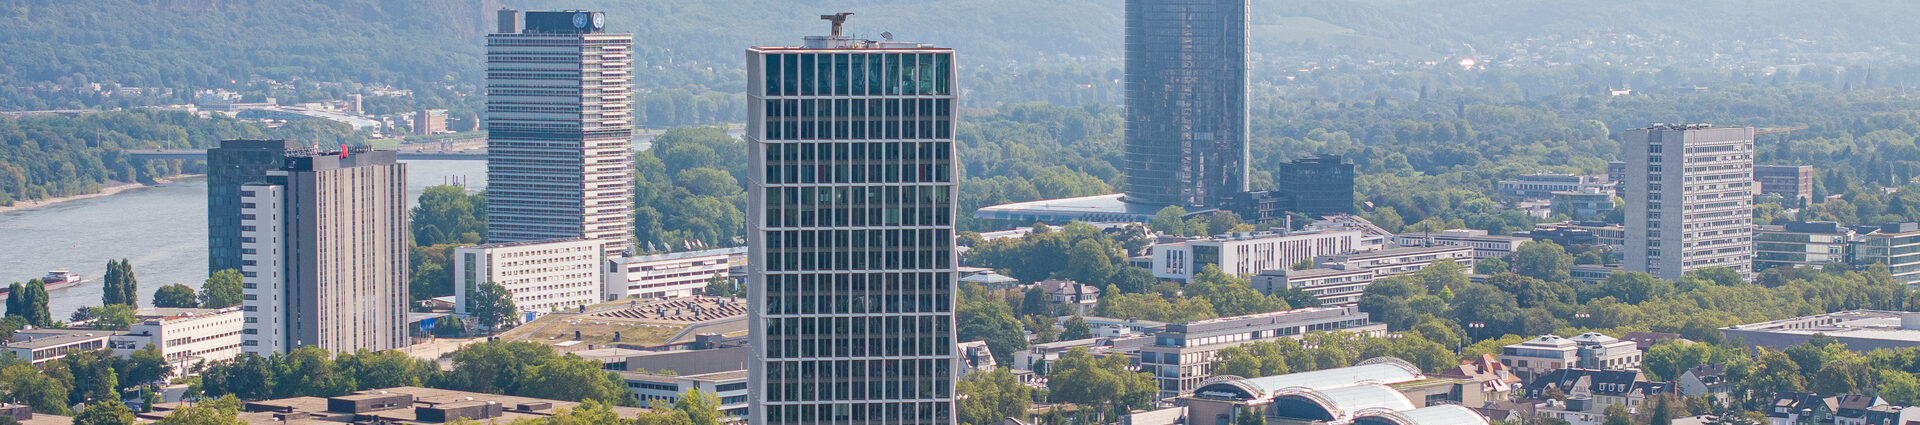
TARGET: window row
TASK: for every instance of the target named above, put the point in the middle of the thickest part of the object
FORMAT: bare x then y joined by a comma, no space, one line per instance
858,206
887,413
860,293
859,74
886,380
859,119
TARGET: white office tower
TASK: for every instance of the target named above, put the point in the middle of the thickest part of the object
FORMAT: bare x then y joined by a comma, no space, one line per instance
1689,199
541,276
559,130
850,228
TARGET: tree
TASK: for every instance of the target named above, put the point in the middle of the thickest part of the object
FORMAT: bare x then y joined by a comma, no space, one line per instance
495,367
493,307
590,412
1661,413
1080,378
1248,416
386,369
572,378
701,407
110,316
310,371
145,366
175,296
447,214
119,285
21,383
219,411
1542,260
1133,280
992,396
1490,266
720,286
1035,302
1092,261
1303,264
984,319
105,412
1171,220
1076,328
221,290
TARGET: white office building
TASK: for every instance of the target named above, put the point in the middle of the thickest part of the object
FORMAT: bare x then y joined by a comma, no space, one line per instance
186,337
543,276
670,275
1483,244
1394,261
1249,253
1689,199
559,129
1334,287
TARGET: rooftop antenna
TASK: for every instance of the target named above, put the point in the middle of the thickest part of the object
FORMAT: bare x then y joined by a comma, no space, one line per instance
837,19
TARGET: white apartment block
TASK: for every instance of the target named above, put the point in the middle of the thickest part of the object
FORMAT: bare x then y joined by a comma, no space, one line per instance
1689,199
262,280
729,386
543,276
1334,287
1250,253
185,336
670,275
1484,245
1394,261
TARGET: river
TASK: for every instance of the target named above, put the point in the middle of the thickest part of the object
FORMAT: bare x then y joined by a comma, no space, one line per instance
162,230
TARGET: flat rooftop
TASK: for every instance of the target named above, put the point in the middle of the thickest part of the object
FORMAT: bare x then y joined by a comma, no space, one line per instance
1097,208
1860,329
741,250
314,410
45,338
1401,251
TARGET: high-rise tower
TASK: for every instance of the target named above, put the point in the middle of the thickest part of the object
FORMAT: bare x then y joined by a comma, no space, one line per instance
559,130
233,163
1689,199
1186,139
850,229
324,253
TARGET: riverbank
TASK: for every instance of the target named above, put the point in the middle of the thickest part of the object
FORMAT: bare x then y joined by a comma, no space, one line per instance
105,190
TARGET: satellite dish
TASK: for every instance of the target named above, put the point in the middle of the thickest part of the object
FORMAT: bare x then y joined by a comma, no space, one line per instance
887,35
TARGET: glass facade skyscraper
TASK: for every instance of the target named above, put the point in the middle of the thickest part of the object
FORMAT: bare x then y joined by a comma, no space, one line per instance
559,130
1186,139
851,232
234,163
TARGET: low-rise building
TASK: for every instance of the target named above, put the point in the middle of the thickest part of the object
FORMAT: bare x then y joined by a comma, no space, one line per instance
543,276
1851,409
1483,244
1896,245
1581,233
44,345
1592,350
1792,182
1182,356
670,275
1333,287
1247,253
1586,203
1797,244
1589,392
1075,297
1592,273
1366,394
185,336
398,405
1396,261
1796,408
1543,185
1599,351
1705,380
730,386
1859,330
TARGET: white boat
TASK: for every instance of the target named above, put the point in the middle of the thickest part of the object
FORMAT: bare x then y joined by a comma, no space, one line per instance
60,279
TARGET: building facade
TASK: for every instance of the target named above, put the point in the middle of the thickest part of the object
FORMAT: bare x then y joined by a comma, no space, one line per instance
1186,71
1317,185
1896,245
186,337
1333,287
1395,261
1182,357
1801,243
851,231
1483,244
1689,199
559,130
1793,183
543,276
677,274
1543,185
324,254
233,163
1591,203
1243,254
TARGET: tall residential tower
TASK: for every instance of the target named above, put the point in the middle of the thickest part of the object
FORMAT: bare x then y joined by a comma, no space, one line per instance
1186,138
851,232
233,163
559,130
324,253
1689,199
